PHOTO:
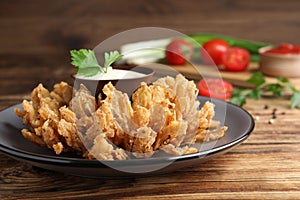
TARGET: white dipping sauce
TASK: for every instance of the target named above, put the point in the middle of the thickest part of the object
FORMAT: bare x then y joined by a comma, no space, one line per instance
113,74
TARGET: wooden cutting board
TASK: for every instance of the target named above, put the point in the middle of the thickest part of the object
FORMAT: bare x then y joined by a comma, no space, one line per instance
196,72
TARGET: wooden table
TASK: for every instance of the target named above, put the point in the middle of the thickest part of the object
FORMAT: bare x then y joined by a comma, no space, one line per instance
35,39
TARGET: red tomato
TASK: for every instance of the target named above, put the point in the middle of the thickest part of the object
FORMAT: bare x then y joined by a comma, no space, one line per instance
236,59
178,52
213,50
215,88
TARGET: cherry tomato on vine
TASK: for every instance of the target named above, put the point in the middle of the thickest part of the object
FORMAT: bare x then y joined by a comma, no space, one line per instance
178,52
215,88
212,51
236,59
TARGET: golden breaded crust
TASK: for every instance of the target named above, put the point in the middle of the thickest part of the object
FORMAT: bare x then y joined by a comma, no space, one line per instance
162,116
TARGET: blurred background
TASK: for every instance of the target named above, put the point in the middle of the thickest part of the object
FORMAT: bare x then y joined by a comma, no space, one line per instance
38,35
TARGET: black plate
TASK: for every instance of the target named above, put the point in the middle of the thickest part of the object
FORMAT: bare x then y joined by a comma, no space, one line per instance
240,125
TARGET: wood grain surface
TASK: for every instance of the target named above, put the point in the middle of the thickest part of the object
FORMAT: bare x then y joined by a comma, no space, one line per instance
35,38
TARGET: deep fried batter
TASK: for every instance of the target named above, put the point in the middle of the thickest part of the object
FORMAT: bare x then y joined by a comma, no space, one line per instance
162,116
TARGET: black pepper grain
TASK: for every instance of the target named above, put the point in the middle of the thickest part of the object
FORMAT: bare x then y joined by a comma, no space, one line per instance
266,107
274,115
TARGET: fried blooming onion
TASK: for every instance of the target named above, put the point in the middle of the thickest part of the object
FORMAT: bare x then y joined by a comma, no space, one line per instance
162,116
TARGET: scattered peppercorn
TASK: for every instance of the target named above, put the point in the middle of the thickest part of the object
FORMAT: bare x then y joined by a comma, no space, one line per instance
274,115
266,107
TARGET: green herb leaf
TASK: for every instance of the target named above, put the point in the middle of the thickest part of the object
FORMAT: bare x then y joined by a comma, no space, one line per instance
87,64
295,100
238,100
275,88
283,80
255,94
239,96
84,58
111,57
257,79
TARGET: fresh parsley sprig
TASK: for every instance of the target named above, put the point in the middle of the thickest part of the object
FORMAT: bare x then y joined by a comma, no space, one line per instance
86,63
110,58
240,95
